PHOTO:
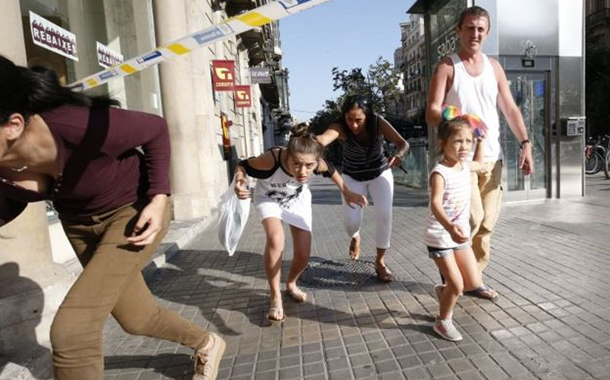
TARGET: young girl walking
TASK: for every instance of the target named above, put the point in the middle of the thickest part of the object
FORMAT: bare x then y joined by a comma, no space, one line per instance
282,194
447,232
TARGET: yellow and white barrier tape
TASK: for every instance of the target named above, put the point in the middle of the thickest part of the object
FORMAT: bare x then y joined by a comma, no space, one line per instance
257,17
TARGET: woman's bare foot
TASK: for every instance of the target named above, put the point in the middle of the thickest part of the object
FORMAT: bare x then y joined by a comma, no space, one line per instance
296,294
354,248
383,273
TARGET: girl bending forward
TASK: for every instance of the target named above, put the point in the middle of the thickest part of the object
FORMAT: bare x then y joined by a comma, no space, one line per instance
282,194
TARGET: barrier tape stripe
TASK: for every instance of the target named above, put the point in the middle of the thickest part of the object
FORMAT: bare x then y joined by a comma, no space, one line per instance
235,25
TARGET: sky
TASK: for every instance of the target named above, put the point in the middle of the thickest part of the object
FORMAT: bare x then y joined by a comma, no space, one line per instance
342,33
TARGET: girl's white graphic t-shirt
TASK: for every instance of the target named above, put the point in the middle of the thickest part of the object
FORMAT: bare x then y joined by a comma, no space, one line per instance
456,204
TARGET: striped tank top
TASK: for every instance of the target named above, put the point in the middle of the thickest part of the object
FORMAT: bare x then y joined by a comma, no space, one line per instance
364,161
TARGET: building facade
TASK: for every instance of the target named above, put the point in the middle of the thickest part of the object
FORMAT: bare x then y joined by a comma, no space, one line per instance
416,85
396,105
598,23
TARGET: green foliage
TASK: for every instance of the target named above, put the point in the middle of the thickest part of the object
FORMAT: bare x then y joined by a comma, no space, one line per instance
379,85
325,117
596,92
384,83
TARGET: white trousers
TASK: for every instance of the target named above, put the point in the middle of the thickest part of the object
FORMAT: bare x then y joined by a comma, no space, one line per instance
381,190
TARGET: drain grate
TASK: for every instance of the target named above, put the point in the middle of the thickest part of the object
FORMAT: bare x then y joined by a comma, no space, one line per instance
323,273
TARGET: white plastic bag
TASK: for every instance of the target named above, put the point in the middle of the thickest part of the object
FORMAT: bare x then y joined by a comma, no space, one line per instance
233,215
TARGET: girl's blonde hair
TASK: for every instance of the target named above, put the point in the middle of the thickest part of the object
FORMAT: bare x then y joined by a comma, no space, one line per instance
449,127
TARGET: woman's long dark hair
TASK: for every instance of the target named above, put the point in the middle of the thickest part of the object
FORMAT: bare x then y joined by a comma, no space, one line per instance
32,91
359,101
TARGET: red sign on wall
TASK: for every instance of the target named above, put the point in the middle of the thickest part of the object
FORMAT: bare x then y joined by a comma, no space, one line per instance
223,75
242,96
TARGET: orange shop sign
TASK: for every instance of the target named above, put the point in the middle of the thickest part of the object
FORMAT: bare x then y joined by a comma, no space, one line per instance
223,75
242,96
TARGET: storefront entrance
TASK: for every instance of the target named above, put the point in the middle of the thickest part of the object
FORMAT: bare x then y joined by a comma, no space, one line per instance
531,93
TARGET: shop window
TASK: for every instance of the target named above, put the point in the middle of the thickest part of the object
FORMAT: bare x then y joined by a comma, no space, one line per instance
117,25
444,16
37,55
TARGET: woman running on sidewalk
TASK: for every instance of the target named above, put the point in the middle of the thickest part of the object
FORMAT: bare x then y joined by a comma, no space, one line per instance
367,170
80,152
282,194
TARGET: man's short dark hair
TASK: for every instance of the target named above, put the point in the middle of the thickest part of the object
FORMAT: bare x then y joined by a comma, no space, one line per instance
477,12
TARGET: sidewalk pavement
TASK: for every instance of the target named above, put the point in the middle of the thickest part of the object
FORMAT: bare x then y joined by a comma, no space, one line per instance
550,262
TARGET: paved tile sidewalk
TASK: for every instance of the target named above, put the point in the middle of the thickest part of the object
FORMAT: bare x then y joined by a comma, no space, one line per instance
550,263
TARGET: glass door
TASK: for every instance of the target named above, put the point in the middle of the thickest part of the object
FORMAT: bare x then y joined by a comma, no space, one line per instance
530,91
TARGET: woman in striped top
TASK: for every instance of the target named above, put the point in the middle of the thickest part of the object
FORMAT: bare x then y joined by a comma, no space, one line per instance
447,230
367,169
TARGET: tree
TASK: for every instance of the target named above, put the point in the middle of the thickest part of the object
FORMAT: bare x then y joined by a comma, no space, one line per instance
385,82
378,86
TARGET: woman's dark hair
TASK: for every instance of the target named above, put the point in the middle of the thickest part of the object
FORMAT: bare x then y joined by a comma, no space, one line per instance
303,141
361,102
32,91
356,101
449,127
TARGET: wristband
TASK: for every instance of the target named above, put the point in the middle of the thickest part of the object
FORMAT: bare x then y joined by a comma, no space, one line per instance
526,141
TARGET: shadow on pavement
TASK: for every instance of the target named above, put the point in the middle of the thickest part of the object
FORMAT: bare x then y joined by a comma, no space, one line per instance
173,366
20,343
233,290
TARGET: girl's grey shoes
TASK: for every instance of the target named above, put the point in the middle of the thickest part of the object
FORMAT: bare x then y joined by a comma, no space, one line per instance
446,330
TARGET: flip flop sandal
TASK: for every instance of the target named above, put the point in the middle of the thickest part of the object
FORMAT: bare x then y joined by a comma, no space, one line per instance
386,276
272,312
482,292
298,295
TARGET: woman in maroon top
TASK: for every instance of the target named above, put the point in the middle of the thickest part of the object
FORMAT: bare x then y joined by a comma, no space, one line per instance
80,152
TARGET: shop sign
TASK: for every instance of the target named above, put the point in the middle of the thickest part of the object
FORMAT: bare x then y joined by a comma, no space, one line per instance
223,75
225,123
107,57
242,96
53,37
444,18
446,44
210,35
260,75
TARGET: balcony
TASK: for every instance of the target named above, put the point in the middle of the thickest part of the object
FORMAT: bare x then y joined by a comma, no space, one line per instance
235,7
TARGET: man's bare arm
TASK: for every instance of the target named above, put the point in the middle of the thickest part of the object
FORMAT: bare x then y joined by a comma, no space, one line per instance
441,79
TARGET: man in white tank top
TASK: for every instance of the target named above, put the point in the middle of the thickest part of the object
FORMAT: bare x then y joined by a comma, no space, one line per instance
477,84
